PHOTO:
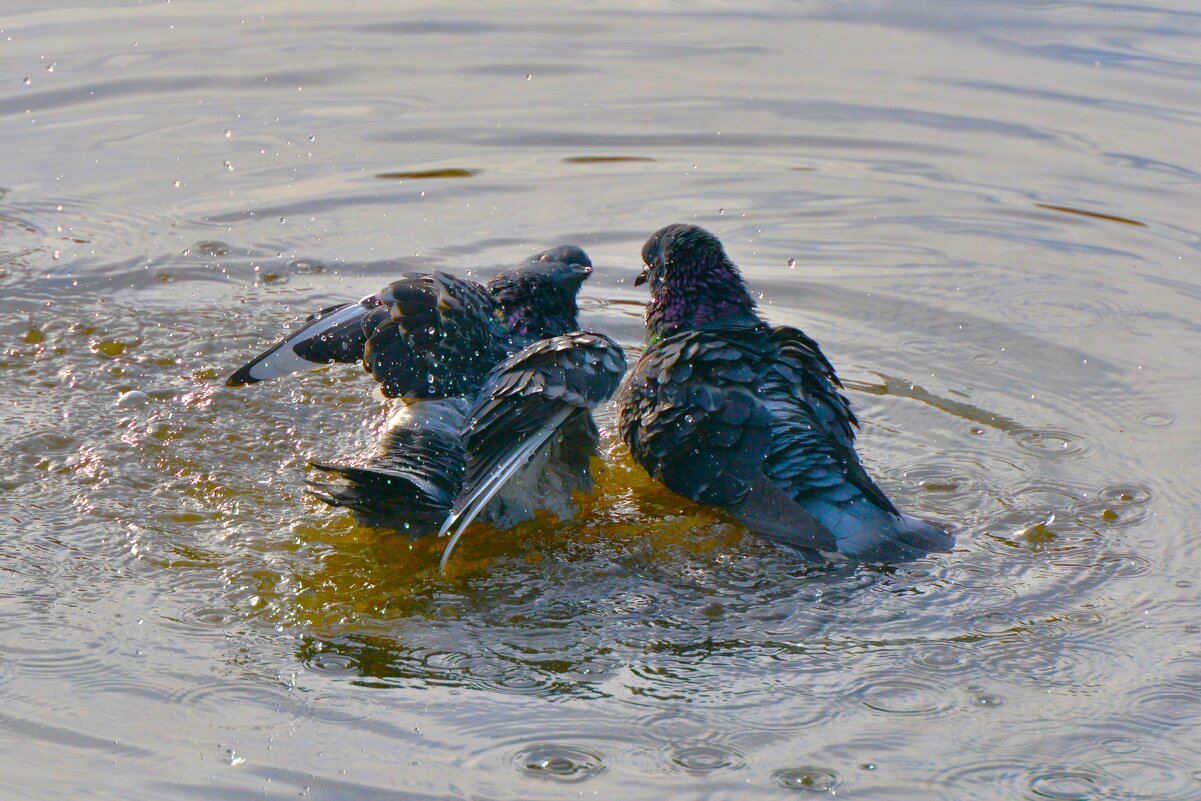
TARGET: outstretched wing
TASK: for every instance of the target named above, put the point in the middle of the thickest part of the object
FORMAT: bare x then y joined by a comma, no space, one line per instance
440,340
334,334
694,414
525,401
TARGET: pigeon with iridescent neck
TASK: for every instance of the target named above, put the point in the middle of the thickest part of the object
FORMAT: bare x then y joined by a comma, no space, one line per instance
727,410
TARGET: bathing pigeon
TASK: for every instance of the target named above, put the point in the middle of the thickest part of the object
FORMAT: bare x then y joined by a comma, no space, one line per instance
497,384
727,410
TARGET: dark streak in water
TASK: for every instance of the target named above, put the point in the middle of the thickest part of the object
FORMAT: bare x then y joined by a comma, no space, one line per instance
900,388
603,159
1095,214
449,172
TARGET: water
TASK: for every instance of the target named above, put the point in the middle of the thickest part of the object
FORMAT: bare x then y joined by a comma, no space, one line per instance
986,213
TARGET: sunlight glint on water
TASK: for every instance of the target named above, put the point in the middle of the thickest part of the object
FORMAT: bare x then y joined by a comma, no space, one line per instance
986,215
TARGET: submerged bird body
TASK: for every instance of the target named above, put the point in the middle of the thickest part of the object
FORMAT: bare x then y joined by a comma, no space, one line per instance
497,387
727,410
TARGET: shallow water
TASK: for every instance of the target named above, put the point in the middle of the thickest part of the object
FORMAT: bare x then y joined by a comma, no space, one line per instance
986,213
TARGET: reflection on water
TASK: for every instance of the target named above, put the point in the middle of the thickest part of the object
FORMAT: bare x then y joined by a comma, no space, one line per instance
1000,264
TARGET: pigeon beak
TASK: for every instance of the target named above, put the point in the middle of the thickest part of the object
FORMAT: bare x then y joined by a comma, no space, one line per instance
643,276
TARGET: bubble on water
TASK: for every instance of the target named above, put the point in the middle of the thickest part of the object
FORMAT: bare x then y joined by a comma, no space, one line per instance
312,137
228,133
808,780
721,211
228,165
50,67
28,81
177,183
529,76
56,255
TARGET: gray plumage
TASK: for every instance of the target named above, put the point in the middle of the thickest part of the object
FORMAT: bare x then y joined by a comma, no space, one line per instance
727,410
499,390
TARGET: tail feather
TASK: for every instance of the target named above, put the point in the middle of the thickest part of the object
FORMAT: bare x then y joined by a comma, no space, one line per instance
865,531
770,512
380,497
925,535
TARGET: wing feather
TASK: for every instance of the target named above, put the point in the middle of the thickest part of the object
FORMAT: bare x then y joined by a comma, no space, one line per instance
526,400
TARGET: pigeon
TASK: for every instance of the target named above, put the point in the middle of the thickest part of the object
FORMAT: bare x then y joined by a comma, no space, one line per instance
730,411
497,386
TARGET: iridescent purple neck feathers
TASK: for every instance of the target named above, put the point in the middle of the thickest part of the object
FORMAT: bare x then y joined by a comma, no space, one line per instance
693,283
538,298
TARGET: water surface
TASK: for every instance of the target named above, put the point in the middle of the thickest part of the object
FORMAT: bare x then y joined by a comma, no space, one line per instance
986,213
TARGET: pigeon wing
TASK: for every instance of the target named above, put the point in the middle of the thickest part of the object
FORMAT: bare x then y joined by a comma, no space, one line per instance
815,432
441,337
524,402
334,334
694,415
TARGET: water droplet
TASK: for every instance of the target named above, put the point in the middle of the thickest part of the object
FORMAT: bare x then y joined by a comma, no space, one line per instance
562,763
792,264
133,398
529,76
59,207
50,67
808,780
177,184
1064,785
228,133
901,697
1119,745
283,219
706,759
58,254
721,211
422,193
228,166
313,137
28,81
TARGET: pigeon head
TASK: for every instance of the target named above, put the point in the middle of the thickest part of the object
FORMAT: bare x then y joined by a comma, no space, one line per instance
693,282
538,297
